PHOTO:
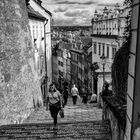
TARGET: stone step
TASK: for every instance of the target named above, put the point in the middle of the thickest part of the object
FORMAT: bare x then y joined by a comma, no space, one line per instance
92,130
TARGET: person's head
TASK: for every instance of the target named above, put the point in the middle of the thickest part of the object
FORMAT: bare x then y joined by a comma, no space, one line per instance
52,87
106,86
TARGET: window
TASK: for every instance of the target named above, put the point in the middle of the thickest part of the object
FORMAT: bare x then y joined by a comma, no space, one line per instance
59,72
62,64
36,31
61,54
107,51
33,32
95,47
59,63
77,58
115,26
113,52
80,58
71,56
103,48
62,74
99,48
78,46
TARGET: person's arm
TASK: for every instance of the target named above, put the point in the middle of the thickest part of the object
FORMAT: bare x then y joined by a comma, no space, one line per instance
47,103
71,92
68,91
77,92
61,99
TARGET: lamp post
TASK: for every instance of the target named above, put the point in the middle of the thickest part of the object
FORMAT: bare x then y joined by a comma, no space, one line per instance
103,60
94,67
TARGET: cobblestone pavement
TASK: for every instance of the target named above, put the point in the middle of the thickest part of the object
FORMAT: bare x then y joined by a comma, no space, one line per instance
93,130
79,112
81,122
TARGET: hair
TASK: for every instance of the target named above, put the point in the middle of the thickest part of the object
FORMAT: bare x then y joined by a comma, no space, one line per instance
52,84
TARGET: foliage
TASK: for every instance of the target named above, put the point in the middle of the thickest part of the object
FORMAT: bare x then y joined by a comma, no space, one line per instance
71,28
121,62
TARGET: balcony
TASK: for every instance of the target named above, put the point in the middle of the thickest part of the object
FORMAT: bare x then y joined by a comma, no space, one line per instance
105,36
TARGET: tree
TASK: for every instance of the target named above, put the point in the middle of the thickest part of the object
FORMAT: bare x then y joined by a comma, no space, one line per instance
121,61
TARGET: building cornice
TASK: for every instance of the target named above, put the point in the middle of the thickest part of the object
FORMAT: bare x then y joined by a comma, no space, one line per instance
34,14
44,9
76,51
101,20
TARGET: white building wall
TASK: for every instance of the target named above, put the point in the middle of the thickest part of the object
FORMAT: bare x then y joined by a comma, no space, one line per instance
106,41
48,38
60,67
36,30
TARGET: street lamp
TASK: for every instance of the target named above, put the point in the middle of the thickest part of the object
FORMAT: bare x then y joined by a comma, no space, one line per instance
94,67
103,59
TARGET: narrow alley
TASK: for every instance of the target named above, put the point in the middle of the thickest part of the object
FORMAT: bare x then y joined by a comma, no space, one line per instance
81,121
73,113
86,51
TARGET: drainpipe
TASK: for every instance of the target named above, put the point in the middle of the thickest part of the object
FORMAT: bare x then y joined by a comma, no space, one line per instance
46,77
46,21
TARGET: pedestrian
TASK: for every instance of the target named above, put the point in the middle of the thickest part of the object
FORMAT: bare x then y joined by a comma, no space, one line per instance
65,94
93,98
54,100
85,95
74,93
106,91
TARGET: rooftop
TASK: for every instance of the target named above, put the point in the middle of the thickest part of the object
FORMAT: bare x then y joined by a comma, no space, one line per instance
65,45
86,41
34,14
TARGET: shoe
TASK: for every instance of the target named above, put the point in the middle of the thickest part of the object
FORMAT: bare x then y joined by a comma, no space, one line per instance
55,128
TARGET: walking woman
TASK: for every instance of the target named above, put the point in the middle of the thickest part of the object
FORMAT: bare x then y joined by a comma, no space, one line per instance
54,101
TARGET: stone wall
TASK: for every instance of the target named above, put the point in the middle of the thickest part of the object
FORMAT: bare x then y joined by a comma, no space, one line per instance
117,132
115,112
19,86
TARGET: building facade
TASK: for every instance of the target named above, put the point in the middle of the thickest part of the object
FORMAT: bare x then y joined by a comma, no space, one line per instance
39,22
133,94
107,38
45,29
64,63
79,62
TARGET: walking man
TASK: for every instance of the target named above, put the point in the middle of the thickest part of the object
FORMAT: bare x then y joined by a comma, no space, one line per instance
85,95
75,93
65,94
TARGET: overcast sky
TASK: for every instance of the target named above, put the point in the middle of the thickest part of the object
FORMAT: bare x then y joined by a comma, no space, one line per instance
75,12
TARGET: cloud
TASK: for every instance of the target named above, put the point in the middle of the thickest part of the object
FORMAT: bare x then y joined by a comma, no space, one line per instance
60,9
76,13
77,2
62,21
107,5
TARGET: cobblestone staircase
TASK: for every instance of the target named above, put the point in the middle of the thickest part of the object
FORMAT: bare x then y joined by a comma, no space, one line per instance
92,130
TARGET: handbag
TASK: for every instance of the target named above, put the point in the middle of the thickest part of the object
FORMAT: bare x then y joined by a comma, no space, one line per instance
79,97
61,113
